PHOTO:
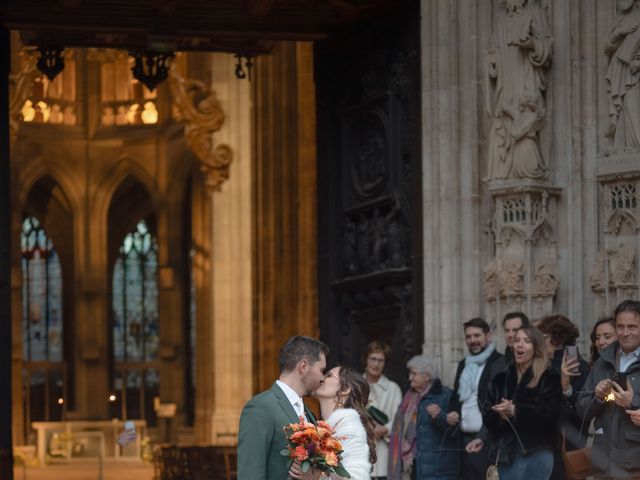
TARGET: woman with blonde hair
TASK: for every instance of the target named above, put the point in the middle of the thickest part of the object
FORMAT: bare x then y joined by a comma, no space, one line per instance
522,410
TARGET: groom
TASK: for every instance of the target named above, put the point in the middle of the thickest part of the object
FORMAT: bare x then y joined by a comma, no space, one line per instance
303,361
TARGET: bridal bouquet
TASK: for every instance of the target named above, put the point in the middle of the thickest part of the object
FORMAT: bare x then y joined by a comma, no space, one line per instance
314,446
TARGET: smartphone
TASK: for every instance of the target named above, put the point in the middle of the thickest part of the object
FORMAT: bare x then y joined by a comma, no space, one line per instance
571,352
621,379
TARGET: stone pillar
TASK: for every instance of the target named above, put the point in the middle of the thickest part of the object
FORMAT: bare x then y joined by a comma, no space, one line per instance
231,317
451,176
6,452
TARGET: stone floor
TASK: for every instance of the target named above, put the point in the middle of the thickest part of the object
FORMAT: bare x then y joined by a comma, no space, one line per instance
87,470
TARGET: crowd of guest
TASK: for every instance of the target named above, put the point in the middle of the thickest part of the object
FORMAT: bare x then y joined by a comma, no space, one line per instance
524,414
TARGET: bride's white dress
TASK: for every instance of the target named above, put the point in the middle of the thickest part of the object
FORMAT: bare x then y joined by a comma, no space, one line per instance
355,457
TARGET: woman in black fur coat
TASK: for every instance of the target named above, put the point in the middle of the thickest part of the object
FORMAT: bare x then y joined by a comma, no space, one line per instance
522,410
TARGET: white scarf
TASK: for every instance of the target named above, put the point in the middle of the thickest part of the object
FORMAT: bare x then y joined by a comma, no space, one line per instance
472,363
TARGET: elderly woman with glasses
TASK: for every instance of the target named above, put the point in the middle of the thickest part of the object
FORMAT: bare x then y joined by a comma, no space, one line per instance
422,443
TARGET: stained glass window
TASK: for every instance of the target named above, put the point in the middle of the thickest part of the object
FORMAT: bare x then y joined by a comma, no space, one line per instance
41,295
135,324
44,372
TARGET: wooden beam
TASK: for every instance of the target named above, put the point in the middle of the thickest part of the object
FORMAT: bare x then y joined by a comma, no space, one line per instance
259,8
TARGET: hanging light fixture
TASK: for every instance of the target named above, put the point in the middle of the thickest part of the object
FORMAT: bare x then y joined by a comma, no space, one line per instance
151,68
240,70
51,61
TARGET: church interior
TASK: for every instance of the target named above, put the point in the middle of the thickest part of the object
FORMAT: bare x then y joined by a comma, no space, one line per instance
184,185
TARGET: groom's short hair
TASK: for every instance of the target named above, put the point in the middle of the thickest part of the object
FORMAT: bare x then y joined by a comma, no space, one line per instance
298,348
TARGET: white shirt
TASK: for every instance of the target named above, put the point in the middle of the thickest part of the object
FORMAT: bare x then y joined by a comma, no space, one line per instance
293,397
470,415
626,359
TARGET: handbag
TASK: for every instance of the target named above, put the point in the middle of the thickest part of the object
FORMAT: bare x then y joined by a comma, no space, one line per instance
577,463
492,471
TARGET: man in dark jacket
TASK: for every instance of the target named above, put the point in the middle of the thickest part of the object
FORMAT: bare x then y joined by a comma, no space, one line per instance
616,444
511,322
473,377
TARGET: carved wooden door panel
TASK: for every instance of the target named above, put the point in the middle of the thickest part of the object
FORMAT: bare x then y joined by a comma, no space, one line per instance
369,184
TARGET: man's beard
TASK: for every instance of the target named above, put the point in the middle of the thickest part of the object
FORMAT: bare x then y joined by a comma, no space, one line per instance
479,351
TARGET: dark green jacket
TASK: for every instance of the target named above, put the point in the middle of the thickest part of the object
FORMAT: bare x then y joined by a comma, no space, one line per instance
261,438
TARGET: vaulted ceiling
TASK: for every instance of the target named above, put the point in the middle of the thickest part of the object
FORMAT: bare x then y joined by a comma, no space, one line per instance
239,26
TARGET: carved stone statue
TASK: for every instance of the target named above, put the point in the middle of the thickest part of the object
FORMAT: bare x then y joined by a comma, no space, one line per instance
545,279
623,77
503,277
515,83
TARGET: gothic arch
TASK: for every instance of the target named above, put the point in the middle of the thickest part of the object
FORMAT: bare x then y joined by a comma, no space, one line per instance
40,168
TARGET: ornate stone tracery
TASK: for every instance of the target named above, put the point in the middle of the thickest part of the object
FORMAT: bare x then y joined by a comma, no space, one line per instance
614,276
524,274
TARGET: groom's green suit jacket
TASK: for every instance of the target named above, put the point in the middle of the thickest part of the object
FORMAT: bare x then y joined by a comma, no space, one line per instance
261,438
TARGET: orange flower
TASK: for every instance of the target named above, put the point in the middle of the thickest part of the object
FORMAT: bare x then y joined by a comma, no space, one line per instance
305,436
331,444
331,459
300,453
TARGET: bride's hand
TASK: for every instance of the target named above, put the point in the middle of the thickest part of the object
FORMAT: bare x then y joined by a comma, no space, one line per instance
296,472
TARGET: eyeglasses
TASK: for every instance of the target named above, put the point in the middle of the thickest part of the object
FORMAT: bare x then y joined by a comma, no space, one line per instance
331,374
375,360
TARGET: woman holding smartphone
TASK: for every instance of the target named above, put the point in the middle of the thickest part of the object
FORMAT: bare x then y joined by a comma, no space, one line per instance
560,340
521,411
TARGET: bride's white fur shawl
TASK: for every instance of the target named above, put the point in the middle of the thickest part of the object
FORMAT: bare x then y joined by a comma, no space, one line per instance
355,457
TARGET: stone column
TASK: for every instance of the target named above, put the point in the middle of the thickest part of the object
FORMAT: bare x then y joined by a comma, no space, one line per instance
451,176
6,452
231,269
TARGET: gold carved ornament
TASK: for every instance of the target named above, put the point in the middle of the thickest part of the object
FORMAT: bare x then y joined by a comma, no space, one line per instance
200,111
20,88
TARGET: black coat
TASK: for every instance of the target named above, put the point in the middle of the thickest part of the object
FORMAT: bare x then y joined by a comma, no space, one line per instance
570,421
494,365
536,413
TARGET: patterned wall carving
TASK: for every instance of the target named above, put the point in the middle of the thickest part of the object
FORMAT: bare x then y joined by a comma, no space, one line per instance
524,274
614,276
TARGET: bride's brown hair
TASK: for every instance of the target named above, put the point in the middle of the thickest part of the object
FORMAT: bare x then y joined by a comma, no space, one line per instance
354,393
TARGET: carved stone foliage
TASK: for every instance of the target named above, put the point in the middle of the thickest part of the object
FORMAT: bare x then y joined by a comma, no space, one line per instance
524,273
515,82
623,78
200,111
615,276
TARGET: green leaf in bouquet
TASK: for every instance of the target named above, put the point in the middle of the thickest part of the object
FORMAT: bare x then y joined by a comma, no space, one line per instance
341,471
306,465
285,452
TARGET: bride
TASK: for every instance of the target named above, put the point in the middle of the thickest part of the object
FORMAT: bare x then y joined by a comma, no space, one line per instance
343,396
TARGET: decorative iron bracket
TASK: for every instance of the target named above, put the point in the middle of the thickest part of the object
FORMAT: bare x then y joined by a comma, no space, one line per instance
51,61
151,68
